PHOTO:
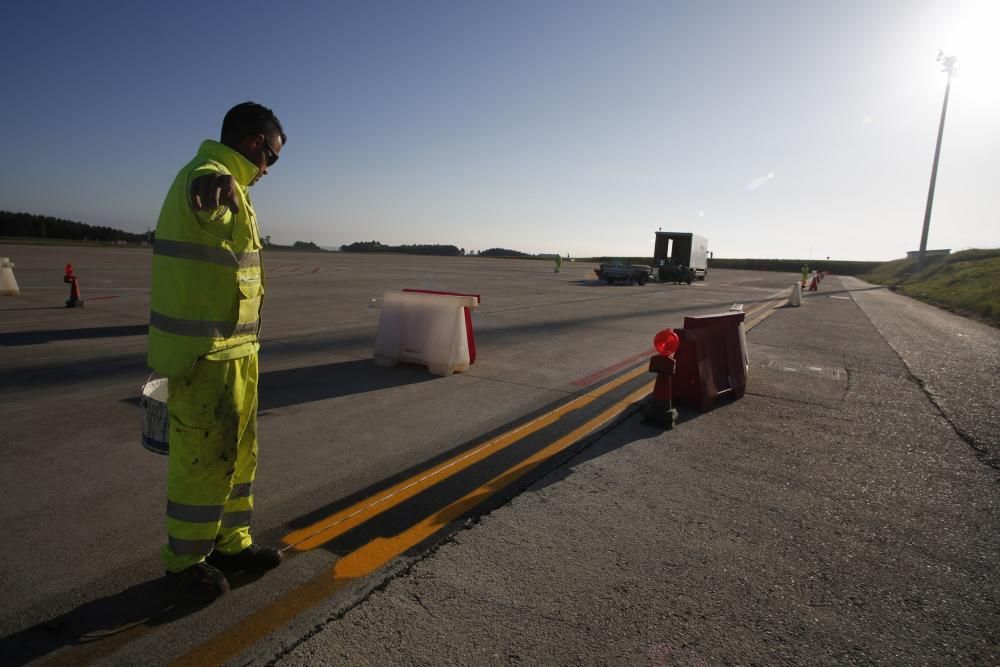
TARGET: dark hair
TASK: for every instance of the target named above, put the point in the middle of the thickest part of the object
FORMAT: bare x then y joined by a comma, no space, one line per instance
248,119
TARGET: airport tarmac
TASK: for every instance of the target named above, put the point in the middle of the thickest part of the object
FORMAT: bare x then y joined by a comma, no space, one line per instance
556,357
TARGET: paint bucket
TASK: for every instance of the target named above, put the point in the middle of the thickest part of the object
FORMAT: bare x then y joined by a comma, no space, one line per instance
155,419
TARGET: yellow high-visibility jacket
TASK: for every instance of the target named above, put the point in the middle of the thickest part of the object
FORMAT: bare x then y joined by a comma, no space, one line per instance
208,281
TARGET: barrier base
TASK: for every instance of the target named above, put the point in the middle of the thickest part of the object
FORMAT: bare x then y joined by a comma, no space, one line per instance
659,413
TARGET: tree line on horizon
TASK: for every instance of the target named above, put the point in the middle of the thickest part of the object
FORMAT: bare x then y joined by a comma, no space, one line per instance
34,226
438,249
28,225
411,249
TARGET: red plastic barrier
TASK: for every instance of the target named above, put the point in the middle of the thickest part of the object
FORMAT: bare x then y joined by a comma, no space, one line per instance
710,361
468,318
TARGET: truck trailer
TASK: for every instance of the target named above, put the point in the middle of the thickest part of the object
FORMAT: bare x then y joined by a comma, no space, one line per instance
680,257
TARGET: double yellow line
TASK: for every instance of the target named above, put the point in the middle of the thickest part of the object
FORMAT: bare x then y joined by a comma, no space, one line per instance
761,312
337,524
369,557
380,551
373,555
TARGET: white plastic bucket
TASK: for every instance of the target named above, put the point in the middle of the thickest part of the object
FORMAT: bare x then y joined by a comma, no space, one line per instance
155,419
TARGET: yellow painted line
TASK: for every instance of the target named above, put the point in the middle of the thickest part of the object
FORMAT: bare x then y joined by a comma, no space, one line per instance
237,638
768,310
370,557
375,554
339,523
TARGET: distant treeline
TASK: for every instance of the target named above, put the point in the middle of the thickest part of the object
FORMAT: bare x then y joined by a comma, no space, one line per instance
840,267
46,227
502,252
627,260
416,249
437,249
507,253
298,245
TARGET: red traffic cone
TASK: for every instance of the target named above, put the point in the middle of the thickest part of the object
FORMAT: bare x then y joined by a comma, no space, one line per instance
814,285
74,300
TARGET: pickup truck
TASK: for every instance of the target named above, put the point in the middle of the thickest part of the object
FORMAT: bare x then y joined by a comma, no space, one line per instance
614,271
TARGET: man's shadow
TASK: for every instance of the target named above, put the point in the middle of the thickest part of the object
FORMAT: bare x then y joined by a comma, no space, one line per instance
101,626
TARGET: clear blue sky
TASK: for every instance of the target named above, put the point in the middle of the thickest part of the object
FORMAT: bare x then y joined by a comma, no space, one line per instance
775,129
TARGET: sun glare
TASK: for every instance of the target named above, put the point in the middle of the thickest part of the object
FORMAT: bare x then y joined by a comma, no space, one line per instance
972,38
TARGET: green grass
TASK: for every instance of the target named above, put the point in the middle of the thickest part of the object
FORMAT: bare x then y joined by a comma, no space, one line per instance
966,282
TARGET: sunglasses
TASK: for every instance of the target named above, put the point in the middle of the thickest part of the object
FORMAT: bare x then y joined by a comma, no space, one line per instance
272,156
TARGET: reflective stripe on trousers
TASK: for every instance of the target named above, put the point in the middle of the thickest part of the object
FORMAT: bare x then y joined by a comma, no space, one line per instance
212,460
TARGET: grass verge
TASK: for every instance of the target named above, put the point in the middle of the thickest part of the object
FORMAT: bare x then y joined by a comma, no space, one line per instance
967,282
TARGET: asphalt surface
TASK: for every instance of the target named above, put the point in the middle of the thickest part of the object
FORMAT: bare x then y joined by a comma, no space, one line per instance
840,512
956,361
832,516
81,502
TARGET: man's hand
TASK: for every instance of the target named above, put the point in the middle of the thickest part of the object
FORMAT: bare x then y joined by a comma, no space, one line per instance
211,191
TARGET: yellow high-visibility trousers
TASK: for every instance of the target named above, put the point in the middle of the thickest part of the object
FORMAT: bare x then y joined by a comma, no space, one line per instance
213,458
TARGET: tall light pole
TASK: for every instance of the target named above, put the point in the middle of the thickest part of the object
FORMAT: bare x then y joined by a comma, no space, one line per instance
948,65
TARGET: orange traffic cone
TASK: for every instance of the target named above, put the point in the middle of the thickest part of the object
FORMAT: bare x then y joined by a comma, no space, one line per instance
814,285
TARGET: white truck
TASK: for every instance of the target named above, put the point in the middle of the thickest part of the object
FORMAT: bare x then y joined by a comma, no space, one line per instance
680,257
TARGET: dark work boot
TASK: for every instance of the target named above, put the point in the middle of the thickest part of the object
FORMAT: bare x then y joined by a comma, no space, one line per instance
254,558
199,583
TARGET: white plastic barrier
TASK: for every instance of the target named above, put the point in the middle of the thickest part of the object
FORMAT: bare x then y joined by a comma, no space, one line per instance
738,307
426,329
8,285
795,298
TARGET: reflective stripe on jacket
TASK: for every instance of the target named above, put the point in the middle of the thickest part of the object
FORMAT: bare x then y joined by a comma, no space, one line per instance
207,274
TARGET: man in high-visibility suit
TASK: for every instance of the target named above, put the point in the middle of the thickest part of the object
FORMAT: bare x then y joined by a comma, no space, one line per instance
208,285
